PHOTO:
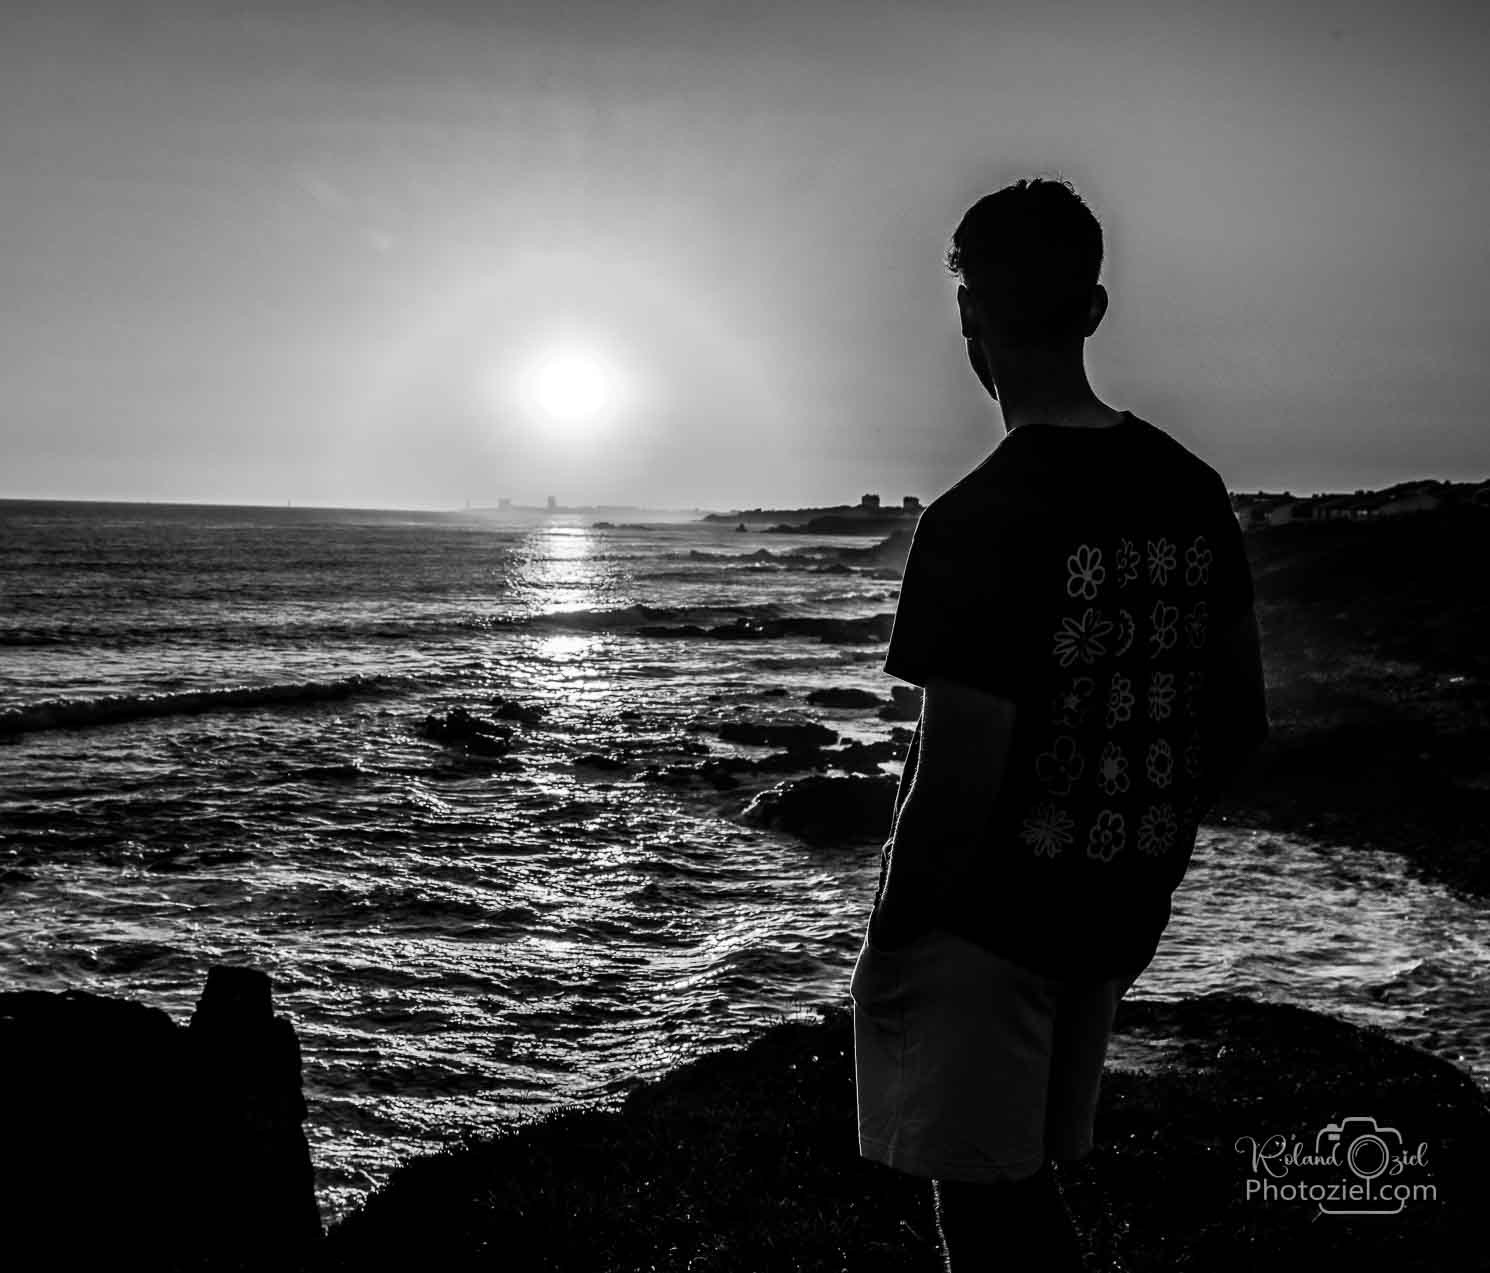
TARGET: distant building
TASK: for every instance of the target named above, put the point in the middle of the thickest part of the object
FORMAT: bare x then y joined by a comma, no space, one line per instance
869,501
552,504
910,504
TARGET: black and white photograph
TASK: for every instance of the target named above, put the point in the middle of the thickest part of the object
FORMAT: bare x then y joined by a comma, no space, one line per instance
731,636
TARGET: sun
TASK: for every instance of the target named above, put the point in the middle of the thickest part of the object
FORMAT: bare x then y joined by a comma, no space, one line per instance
572,385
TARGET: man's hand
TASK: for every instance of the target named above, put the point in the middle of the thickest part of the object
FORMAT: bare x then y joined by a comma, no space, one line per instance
945,820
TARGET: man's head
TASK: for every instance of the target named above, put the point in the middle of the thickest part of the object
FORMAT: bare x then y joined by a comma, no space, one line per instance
1028,257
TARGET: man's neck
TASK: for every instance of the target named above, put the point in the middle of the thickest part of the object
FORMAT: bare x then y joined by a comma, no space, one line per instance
1056,392
1088,412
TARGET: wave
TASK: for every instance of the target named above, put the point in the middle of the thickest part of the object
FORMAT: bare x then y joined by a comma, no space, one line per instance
115,709
231,630
636,615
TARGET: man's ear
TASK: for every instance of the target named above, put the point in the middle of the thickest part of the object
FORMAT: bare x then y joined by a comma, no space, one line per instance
967,311
1098,310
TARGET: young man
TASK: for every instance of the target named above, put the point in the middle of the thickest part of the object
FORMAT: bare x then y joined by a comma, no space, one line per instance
1079,611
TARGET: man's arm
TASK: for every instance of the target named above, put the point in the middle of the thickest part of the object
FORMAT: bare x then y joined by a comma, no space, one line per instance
1236,705
944,821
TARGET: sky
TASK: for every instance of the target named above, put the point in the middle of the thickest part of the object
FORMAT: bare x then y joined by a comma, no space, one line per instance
690,254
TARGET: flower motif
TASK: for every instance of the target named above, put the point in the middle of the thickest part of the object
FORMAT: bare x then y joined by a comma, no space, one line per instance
1195,626
1048,830
1126,562
1126,628
1193,756
1164,618
1197,562
1107,836
1157,829
1082,638
1194,682
1159,763
1161,695
1161,560
1087,572
1112,773
1061,766
1069,709
1119,700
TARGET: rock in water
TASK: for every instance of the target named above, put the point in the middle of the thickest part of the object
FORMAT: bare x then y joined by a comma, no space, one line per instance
459,728
905,704
827,810
800,736
844,697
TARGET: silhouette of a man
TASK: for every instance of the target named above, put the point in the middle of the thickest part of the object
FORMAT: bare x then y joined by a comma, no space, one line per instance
1079,611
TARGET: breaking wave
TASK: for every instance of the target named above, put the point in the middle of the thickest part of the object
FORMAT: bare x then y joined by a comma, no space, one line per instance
115,709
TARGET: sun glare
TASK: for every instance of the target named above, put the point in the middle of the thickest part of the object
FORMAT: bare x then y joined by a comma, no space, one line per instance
572,386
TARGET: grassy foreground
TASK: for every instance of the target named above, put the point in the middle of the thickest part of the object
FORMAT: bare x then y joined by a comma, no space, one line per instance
747,1160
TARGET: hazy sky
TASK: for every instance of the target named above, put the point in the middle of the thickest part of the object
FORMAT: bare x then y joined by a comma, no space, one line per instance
318,252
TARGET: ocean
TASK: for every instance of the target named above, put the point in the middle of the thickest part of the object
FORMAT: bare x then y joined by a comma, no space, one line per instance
212,751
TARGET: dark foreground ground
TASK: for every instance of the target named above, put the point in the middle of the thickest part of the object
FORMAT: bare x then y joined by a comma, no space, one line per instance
747,1160
1376,645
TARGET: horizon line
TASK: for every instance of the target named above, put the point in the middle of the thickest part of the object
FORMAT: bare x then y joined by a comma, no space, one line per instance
1280,491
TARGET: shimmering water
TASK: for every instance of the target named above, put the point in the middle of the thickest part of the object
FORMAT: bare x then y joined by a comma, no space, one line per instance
213,754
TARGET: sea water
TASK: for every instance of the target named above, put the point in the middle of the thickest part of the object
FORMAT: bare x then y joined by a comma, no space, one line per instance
211,752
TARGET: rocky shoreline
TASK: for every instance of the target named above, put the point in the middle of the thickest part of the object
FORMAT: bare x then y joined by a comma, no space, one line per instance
748,1160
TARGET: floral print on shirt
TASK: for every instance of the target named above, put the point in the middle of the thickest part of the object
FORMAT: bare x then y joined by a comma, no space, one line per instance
1116,773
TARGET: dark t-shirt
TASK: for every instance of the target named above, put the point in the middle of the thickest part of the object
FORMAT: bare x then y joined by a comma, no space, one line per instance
1080,574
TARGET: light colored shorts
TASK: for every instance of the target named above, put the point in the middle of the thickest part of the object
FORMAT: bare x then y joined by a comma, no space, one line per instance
970,1067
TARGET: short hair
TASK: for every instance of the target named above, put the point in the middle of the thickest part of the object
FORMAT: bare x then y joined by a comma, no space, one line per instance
1038,243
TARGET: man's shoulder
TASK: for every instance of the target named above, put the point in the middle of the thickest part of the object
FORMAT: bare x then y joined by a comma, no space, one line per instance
991,492
1175,456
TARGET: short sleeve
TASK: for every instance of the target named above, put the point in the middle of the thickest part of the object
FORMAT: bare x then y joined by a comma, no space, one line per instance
1232,595
963,609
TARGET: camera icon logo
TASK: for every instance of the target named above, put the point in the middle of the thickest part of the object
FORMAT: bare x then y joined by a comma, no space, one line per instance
1369,1150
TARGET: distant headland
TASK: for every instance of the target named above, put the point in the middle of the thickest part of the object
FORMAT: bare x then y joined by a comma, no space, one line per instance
867,517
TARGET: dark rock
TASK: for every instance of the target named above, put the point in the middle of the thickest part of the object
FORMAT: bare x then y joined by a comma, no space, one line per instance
248,1113
805,734
901,735
718,772
863,758
793,760
776,691
523,713
458,728
132,1142
905,704
844,698
826,810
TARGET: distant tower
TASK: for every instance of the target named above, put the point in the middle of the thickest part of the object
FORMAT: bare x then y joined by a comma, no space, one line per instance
551,504
910,504
869,501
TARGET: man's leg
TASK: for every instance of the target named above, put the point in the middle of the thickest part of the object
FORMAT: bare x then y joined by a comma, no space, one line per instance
1005,1228
1083,1025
